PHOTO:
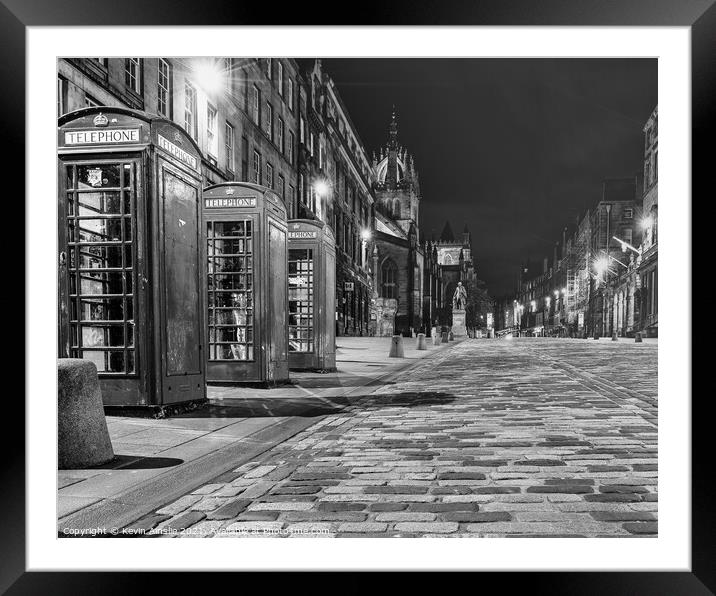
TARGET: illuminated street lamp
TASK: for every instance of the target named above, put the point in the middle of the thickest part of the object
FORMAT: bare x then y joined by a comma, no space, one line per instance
365,235
321,187
625,245
209,75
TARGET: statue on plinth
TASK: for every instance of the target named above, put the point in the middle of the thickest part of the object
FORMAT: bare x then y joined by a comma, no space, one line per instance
459,298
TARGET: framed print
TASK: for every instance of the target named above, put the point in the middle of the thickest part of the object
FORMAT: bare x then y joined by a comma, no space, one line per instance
390,279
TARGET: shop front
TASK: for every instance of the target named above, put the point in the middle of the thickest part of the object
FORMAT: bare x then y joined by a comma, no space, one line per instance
311,296
129,292
245,284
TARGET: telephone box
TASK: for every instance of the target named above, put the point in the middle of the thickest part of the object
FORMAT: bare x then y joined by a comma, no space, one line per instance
244,272
311,296
129,291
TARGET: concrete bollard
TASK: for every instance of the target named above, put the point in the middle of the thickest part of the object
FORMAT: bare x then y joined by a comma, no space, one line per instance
436,338
444,337
637,337
451,336
421,342
396,347
596,336
614,336
83,438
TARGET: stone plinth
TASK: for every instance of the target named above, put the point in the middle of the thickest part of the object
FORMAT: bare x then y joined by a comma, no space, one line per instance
458,322
83,439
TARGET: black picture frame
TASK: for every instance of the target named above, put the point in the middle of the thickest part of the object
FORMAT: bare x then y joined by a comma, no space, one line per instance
699,15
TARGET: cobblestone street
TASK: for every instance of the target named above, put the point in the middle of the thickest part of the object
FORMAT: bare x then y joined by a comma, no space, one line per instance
523,437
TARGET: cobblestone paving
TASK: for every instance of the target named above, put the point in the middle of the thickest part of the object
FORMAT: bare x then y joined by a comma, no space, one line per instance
514,438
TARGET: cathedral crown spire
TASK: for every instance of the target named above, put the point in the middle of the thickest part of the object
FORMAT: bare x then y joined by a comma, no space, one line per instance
393,132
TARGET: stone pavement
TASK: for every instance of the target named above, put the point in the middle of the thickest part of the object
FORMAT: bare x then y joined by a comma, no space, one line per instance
155,458
524,437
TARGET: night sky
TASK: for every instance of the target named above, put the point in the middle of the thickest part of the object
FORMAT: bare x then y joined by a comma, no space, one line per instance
515,148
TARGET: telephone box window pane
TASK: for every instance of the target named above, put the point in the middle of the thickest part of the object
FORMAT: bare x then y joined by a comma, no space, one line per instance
98,176
99,230
100,226
300,300
230,290
91,204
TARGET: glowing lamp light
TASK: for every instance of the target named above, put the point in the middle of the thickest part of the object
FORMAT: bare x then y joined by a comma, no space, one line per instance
645,222
564,290
321,188
365,235
601,265
209,75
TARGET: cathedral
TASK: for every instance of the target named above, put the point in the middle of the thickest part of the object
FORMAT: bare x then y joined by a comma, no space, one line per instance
413,279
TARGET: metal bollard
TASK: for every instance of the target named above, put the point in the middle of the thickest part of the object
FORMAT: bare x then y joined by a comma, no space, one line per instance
444,337
421,342
596,336
451,336
637,337
396,347
614,336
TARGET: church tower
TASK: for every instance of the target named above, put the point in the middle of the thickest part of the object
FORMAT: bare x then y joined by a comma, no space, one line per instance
397,189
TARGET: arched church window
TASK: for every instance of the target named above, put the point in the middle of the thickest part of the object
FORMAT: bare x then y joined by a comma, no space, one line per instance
448,259
396,209
389,279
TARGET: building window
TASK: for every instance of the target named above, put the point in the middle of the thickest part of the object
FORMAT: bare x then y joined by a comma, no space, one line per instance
268,123
628,213
229,146
320,155
628,235
301,130
389,279
244,158
279,72
656,166
269,67
290,94
61,96
282,187
279,137
257,167
311,142
301,191
269,175
229,68
133,74
289,148
90,101
190,110
255,105
292,196
164,88
212,141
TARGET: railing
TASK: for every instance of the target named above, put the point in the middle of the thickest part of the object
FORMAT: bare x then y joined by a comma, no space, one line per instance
506,331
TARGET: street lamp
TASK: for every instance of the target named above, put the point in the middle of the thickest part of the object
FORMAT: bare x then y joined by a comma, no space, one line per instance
321,188
625,245
209,75
365,235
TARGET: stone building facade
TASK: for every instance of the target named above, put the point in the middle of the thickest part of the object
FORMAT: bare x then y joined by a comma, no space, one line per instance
648,269
336,186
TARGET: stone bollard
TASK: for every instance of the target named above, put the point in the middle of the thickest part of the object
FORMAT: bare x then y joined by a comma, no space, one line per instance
614,336
637,337
451,336
421,342
83,438
396,347
444,337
